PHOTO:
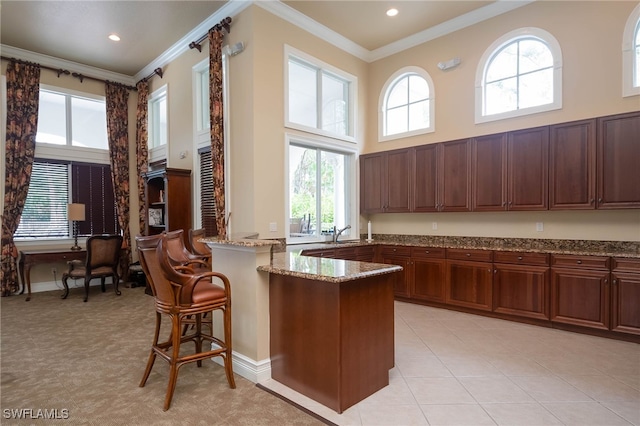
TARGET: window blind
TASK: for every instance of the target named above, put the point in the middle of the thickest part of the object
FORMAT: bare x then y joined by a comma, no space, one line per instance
92,187
207,201
45,209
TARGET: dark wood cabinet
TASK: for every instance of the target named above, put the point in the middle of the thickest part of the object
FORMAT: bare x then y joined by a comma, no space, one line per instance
442,177
469,278
521,284
528,169
489,173
168,201
580,290
425,179
572,165
401,256
618,160
385,182
429,274
625,295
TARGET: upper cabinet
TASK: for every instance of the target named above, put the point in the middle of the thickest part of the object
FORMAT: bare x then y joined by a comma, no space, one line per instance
442,177
572,166
618,161
385,182
528,169
584,164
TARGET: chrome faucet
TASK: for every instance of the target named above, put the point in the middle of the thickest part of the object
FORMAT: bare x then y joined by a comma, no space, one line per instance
338,232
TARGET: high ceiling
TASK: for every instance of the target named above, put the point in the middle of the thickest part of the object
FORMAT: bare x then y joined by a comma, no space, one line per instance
77,30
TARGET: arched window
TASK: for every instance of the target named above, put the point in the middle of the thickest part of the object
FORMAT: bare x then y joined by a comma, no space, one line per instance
631,55
519,74
406,105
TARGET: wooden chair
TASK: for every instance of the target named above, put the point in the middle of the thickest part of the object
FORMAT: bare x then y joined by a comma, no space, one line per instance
197,247
180,256
179,295
103,258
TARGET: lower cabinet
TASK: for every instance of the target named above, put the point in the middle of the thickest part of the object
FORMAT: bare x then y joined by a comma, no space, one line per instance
580,290
469,279
521,284
401,256
625,295
429,274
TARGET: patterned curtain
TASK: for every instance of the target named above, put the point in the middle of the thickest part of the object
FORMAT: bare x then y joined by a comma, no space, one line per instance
23,95
217,126
142,150
117,128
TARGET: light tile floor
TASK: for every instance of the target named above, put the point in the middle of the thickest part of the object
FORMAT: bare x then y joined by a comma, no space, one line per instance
460,369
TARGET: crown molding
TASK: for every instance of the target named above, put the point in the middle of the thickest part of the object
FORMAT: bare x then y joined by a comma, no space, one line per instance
231,8
298,19
468,19
53,62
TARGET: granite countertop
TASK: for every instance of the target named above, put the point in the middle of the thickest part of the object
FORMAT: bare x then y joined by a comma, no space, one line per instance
292,263
627,249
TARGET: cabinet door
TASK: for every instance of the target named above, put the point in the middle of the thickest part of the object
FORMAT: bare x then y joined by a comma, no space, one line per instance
572,166
401,256
469,284
625,316
618,159
455,178
489,173
372,183
521,290
528,152
425,184
398,185
580,297
429,278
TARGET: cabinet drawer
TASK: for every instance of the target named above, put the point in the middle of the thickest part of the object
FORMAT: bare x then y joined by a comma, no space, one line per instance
520,258
625,264
470,254
395,251
591,262
428,252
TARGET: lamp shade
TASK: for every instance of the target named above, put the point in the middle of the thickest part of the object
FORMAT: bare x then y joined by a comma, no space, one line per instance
75,211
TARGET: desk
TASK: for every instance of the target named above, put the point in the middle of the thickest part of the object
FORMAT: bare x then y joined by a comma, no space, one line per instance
28,258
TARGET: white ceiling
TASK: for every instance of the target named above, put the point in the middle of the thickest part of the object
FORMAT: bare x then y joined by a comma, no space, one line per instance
77,30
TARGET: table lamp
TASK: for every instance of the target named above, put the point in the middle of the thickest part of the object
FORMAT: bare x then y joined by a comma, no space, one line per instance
75,212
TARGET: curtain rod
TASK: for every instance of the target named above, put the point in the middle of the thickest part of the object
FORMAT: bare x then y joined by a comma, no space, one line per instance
225,23
81,77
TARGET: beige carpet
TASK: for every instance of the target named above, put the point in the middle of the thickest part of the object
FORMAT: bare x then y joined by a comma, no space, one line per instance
86,360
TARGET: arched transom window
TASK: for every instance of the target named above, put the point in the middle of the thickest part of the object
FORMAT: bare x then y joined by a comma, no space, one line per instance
406,104
521,75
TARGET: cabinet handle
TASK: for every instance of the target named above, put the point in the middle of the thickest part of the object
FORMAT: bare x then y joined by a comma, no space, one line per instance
615,281
579,262
495,271
488,270
426,251
504,203
468,254
519,257
591,201
600,200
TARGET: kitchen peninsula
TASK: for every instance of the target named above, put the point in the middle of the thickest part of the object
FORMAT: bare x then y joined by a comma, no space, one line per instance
326,326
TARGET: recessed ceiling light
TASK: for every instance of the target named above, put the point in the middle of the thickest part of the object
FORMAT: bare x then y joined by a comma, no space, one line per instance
392,12
114,37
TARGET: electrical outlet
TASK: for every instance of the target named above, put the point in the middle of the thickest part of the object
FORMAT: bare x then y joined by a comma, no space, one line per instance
273,227
539,226
434,225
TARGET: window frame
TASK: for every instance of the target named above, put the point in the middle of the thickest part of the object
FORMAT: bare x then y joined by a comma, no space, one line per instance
630,64
495,48
326,144
384,96
158,152
324,68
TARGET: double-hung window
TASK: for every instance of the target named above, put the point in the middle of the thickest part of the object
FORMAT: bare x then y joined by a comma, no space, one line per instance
320,99
71,166
158,125
631,55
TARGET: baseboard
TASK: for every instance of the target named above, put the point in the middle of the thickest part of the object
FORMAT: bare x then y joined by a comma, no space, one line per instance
43,286
254,371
